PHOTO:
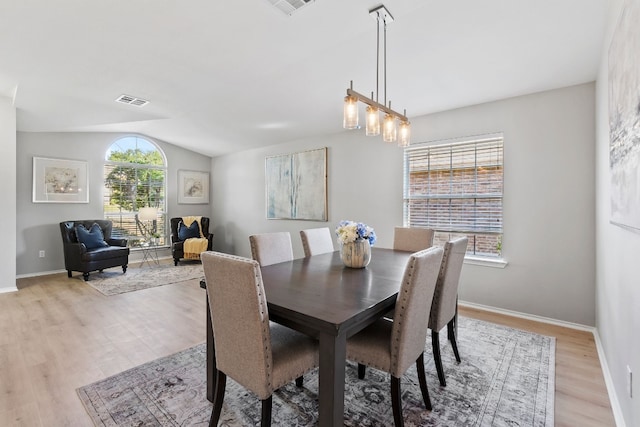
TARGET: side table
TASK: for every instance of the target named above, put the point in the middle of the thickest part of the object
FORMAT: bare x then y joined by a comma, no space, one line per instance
149,253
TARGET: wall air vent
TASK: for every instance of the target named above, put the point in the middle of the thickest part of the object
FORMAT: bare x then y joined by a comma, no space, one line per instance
132,100
289,6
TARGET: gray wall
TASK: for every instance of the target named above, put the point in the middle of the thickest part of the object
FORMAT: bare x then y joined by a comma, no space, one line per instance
8,180
38,222
618,269
548,197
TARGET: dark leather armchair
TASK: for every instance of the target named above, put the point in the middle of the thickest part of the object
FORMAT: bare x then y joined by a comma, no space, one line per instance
78,258
177,245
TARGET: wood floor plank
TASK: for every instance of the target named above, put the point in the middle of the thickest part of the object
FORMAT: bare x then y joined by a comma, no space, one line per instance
58,334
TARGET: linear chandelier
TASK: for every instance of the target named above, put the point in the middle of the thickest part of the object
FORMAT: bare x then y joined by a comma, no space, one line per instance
390,132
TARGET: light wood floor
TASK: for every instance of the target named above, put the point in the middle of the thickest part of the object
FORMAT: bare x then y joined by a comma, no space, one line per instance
58,334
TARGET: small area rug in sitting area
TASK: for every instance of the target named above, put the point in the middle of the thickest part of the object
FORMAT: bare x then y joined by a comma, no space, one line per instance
113,281
506,378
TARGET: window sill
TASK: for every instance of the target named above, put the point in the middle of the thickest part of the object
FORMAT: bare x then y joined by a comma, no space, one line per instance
486,262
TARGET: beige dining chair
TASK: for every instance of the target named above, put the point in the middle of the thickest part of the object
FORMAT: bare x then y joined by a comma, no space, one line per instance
444,308
259,355
412,239
316,241
271,248
394,346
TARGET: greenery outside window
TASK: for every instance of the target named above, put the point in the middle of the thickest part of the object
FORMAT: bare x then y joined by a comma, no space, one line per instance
135,176
456,189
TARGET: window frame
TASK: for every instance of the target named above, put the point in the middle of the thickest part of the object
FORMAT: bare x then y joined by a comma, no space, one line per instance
465,224
161,205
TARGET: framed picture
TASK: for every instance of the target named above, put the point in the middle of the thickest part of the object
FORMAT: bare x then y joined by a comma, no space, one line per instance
296,185
624,115
193,187
60,181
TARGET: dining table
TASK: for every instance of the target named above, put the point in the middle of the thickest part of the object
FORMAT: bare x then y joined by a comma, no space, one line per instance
321,297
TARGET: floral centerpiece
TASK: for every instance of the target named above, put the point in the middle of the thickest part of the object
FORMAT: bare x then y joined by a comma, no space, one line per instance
355,240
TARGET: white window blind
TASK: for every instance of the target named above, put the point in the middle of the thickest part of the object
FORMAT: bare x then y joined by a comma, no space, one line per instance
135,177
456,189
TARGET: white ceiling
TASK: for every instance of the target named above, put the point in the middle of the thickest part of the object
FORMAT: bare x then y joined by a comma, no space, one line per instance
234,75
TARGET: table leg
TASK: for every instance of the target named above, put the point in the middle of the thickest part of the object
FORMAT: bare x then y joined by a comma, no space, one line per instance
211,356
333,354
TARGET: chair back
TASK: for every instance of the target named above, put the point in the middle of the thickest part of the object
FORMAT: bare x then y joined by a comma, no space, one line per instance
445,298
410,321
240,320
271,248
316,241
68,229
204,226
412,239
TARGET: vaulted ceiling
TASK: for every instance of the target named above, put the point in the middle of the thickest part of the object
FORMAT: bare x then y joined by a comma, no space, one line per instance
234,75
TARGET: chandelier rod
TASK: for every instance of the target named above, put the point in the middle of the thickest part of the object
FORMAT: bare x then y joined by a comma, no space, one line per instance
384,21
378,57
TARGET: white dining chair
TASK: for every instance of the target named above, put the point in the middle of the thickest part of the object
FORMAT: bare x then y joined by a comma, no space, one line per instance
444,308
257,354
412,239
393,346
271,248
316,241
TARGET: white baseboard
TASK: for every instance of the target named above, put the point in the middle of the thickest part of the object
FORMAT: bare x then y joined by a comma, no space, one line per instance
608,380
9,289
40,273
527,316
46,273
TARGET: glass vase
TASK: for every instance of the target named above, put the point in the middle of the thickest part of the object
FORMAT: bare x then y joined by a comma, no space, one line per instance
356,254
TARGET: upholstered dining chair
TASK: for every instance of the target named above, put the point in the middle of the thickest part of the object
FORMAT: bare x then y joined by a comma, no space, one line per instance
444,308
316,241
412,239
393,346
271,248
260,356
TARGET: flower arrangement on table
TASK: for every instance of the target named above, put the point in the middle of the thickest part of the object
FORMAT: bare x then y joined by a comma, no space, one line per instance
351,231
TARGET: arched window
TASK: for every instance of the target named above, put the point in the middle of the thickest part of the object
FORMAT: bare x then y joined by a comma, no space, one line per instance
135,177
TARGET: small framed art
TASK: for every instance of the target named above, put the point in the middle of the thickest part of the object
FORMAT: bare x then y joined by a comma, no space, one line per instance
193,187
60,181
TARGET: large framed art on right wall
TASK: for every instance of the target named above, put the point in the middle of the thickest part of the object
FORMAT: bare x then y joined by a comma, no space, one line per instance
624,118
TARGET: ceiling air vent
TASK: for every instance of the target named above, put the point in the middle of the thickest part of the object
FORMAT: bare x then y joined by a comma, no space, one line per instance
289,6
132,100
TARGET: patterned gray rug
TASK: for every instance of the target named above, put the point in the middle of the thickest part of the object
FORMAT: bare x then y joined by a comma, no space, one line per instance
506,378
113,282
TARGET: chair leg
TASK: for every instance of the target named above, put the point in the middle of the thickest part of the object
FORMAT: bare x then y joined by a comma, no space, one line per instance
435,344
299,381
362,369
218,397
124,268
175,262
266,412
68,273
85,276
422,379
396,402
451,331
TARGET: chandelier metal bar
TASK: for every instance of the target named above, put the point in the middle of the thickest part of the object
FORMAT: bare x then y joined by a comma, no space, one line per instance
369,101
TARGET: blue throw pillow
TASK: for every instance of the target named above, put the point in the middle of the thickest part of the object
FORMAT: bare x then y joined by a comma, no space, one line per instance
192,231
93,238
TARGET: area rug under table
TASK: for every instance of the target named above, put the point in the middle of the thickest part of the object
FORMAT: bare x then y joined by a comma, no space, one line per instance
113,281
506,378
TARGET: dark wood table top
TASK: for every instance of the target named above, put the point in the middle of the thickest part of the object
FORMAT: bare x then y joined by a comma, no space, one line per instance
321,293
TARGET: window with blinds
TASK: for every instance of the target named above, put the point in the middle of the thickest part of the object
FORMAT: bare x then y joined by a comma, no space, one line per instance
456,189
135,177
